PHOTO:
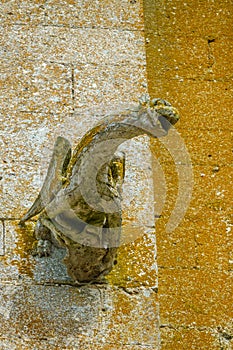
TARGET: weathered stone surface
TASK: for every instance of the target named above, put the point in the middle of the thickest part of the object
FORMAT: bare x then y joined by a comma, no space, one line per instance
64,66
202,113
178,338
92,84
38,310
60,72
108,14
188,52
196,17
73,45
124,308
195,297
35,86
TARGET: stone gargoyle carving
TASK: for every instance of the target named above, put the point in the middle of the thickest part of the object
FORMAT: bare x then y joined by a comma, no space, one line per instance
80,201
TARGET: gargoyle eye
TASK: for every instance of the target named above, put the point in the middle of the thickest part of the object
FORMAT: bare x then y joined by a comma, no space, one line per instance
159,102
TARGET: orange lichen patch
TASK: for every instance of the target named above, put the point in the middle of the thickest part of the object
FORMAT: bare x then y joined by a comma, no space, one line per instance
189,58
188,64
211,194
32,86
221,51
195,297
178,338
205,147
197,18
136,264
21,255
201,238
213,187
179,249
205,95
124,310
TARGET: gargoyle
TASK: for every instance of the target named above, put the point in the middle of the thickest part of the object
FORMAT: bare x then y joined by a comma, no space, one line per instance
80,201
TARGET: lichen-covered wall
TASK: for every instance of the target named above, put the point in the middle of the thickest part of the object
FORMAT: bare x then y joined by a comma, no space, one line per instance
64,64
189,62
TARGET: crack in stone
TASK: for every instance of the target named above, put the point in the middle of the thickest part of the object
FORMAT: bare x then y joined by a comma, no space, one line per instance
211,57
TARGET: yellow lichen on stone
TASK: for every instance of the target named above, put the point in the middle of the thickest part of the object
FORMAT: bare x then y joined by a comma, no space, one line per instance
188,51
22,258
136,265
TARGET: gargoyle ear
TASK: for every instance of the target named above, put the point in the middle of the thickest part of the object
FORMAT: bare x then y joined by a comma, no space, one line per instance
144,100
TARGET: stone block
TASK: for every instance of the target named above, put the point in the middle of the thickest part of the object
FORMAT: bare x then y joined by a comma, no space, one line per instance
200,18
127,15
38,312
93,84
221,49
178,58
35,86
202,104
202,146
196,298
64,45
131,317
181,338
27,142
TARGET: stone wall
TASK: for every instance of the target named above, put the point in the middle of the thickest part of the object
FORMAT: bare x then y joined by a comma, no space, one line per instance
65,64
189,51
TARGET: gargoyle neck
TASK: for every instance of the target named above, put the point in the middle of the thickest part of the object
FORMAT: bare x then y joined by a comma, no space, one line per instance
102,141
118,127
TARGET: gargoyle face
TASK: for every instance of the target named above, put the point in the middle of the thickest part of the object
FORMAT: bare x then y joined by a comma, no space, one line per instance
165,109
156,116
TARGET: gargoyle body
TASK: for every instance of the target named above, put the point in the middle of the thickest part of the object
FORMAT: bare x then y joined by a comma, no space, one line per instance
80,201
